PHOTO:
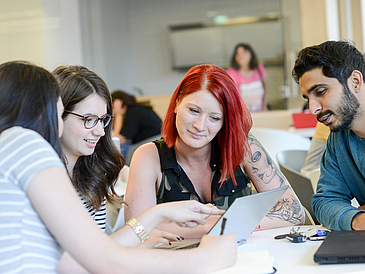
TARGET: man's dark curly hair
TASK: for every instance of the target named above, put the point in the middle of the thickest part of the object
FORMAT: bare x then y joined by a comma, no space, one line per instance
338,59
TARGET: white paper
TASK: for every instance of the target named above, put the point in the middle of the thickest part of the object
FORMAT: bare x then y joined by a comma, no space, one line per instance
258,262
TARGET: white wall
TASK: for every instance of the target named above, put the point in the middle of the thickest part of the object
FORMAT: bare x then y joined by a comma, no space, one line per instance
62,33
124,41
21,32
45,32
106,42
140,53
293,43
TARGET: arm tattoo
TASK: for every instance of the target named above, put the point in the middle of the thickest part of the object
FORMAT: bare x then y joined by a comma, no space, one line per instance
285,210
262,165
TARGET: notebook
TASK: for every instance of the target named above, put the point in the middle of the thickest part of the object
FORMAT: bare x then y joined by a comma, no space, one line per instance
341,247
242,217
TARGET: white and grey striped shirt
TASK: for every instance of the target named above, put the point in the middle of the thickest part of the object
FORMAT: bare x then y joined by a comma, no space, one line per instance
26,245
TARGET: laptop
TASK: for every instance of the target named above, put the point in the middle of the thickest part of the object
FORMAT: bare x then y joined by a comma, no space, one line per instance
242,217
341,247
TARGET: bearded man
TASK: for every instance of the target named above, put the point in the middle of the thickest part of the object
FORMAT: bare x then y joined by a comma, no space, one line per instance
331,76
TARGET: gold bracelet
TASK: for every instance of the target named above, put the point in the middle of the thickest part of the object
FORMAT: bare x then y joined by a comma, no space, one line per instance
138,229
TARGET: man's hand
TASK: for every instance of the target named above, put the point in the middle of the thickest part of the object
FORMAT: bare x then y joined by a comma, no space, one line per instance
361,207
358,222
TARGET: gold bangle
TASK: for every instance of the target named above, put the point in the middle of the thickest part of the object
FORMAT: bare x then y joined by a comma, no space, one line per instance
138,229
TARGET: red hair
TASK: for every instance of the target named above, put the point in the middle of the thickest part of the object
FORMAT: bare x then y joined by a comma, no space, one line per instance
232,138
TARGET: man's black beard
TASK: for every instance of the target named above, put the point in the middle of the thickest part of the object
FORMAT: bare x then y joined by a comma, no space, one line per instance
347,111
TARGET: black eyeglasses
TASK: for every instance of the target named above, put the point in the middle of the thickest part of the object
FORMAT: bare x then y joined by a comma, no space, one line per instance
91,121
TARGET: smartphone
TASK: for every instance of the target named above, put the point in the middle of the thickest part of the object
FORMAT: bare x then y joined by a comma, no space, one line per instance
319,237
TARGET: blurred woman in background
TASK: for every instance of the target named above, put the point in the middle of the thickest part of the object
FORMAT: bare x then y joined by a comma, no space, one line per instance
249,75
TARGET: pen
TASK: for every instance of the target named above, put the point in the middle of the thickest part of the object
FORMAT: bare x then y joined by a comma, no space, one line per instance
223,225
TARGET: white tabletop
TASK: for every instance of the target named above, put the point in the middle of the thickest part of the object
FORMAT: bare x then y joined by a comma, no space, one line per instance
294,257
306,132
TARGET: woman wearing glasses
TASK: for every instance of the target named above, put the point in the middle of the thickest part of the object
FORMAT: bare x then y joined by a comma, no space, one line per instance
92,162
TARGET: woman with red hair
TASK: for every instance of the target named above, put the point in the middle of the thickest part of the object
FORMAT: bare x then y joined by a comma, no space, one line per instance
207,154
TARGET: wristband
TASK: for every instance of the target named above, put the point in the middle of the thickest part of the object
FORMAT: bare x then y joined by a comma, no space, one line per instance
138,229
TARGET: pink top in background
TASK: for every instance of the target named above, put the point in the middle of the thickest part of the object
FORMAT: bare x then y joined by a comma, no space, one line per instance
240,79
251,88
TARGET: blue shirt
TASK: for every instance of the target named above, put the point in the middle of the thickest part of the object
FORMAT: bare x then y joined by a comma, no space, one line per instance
342,179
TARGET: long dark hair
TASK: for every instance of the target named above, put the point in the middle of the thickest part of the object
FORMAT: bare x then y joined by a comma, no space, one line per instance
95,175
254,63
29,96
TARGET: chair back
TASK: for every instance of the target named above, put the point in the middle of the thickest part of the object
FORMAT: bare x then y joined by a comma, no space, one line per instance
290,163
133,148
276,140
314,176
308,217
116,141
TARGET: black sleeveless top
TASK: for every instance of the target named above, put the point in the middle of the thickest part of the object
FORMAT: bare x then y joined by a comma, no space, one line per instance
176,186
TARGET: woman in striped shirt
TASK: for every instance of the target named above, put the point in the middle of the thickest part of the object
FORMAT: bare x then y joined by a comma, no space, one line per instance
91,160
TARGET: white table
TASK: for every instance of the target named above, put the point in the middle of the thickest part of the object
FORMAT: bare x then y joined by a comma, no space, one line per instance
306,132
294,258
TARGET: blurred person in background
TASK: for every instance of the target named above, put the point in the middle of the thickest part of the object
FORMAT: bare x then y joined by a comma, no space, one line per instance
249,75
133,121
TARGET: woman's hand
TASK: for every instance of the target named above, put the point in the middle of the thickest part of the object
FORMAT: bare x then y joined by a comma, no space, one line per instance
183,213
160,237
220,250
187,213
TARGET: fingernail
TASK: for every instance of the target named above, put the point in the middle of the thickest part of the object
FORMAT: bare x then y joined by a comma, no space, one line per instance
169,243
181,238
